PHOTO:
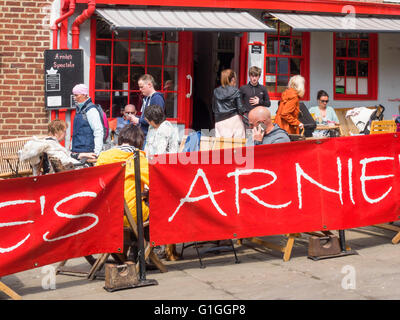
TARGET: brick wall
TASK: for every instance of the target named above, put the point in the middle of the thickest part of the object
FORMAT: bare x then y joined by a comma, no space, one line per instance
24,35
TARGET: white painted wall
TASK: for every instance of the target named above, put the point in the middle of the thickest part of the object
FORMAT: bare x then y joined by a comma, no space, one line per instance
321,72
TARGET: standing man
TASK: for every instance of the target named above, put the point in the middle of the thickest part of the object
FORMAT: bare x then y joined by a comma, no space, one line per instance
151,97
253,93
263,130
88,127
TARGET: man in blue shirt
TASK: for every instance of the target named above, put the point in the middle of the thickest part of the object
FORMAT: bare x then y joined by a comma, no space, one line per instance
128,113
151,97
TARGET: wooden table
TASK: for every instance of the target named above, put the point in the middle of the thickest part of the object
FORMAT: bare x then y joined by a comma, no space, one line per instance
331,129
325,127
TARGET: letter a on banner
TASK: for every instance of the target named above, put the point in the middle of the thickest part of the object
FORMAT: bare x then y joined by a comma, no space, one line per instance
210,194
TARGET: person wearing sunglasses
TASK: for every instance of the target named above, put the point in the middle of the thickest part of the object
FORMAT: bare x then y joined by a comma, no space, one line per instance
324,114
127,114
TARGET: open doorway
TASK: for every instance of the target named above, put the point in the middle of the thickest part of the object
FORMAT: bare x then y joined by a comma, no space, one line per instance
212,53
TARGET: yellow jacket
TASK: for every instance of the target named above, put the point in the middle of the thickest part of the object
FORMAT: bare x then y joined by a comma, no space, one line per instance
116,155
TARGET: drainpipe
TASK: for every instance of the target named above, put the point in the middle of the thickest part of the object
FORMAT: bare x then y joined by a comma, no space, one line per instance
54,27
79,20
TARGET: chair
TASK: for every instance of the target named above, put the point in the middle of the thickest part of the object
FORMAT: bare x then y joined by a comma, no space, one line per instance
97,264
285,249
383,126
297,137
209,143
346,125
129,242
148,249
379,127
391,227
10,165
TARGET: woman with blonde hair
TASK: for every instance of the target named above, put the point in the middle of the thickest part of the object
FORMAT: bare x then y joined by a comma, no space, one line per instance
38,150
289,107
227,107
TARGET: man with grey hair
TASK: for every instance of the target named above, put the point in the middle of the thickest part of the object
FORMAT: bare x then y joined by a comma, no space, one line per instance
264,131
88,126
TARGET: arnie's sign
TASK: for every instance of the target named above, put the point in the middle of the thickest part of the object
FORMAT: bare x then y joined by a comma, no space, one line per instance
326,184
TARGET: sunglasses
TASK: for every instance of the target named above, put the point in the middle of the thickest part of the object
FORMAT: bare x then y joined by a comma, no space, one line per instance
128,112
324,101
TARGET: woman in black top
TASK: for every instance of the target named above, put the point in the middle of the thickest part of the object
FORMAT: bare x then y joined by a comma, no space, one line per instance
227,107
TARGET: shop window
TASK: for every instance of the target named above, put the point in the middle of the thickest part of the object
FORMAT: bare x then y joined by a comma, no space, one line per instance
286,55
121,58
355,63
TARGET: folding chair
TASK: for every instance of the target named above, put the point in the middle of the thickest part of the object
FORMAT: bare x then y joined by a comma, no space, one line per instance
148,251
286,249
383,126
378,127
391,227
97,264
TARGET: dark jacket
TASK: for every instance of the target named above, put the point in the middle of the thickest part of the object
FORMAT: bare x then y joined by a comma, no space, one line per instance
83,137
156,98
248,91
277,135
227,103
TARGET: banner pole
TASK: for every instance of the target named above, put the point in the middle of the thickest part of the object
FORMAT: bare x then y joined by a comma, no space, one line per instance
342,240
139,215
141,278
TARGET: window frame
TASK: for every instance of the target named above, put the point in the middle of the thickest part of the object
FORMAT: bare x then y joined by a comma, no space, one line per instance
112,64
372,69
304,60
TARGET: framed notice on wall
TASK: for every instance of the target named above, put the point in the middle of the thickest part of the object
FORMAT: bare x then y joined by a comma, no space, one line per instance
63,69
256,57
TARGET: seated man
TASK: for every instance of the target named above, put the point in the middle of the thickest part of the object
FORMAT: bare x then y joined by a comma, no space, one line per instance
128,112
264,131
35,148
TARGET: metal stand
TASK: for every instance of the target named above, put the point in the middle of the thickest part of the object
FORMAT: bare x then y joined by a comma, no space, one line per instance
142,262
344,251
216,249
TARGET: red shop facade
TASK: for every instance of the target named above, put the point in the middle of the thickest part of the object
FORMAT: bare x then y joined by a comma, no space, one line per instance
122,40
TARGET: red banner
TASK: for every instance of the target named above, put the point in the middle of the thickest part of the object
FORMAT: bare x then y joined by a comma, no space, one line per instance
60,216
326,184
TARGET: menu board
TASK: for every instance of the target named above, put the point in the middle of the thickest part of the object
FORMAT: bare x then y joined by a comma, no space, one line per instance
63,69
